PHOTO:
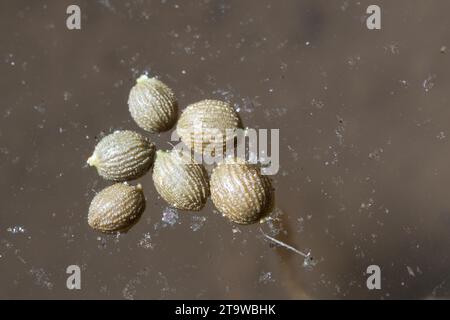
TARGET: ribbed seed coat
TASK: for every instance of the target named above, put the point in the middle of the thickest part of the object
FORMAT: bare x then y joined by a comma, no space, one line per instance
241,192
116,208
180,181
152,105
200,122
122,156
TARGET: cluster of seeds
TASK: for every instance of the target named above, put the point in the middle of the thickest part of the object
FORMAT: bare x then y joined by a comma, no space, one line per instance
238,189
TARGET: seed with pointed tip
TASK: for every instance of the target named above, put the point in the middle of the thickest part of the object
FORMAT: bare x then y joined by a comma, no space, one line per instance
180,181
116,208
206,122
122,156
152,105
241,192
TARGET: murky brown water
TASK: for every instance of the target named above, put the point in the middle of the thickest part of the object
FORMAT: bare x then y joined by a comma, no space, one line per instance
364,126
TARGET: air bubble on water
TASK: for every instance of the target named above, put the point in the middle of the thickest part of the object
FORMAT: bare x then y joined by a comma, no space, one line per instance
428,83
226,94
293,153
118,83
16,229
41,278
68,234
170,216
197,223
301,222
107,4
309,262
135,73
67,95
7,113
404,83
4,151
129,291
276,112
317,103
248,105
266,277
237,233
117,236
39,108
367,205
392,48
146,242
162,281
353,61
376,154
274,222
236,230
102,244
10,59
441,135
240,104
345,5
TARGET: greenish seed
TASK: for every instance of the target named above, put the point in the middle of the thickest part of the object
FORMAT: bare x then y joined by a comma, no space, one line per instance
152,105
180,181
240,192
116,208
123,156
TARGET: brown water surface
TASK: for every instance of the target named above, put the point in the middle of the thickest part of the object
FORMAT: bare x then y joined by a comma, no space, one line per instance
364,146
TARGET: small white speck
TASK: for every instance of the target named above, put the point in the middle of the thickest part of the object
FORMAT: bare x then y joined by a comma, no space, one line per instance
441,135
410,271
16,229
170,216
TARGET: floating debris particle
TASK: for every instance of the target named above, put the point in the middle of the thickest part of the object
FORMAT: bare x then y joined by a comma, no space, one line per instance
392,48
266,277
170,216
16,229
441,135
316,103
367,205
376,154
146,242
308,261
39,108
353,61
67,95
41,278
410,271
404,83
197,223
428,83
